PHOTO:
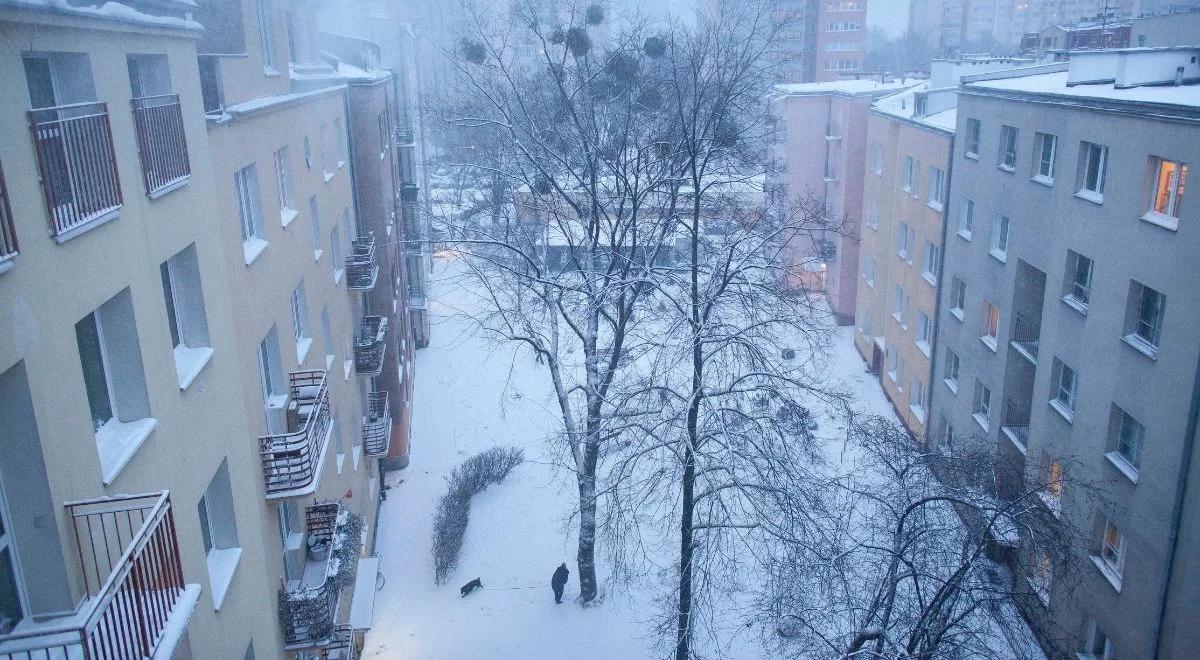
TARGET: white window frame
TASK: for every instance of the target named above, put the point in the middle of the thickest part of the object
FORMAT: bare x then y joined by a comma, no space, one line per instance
1043,164
966,218
266,36
314,219
951,371
929,267
1066,388
1166,215
909,165
250,212
283,180
1092,153
974,131
300,329
934,190
958,298
1007,152
1000,237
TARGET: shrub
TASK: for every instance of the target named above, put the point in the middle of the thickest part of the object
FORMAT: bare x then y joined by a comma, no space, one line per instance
454,509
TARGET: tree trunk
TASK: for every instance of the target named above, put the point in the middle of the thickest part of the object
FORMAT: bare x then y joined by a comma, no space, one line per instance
683,633
585,557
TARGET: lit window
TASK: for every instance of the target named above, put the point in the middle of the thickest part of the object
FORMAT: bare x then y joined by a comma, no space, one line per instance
1044,152
1112,548
1008,148
1169,182
991,323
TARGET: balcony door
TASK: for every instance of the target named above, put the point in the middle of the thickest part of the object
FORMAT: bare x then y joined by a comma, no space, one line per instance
13,605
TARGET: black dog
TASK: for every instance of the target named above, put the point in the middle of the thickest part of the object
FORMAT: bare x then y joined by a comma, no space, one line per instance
470,586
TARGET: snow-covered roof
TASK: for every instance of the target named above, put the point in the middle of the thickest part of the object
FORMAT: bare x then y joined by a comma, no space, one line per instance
112,11
861,87
903,105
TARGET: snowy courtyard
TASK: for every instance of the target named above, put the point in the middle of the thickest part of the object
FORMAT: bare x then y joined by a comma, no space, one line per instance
474,393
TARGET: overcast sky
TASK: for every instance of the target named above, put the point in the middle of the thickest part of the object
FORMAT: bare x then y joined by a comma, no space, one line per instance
889,15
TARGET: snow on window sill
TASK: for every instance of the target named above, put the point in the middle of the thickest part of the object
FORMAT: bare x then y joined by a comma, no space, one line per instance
902,254
317,254
929,278
1109,574
328,177
981,421
896,315
189,362
118,441
958,313
286,215
892,375
337,275
964,234
1014,439
271,72
252,248
907,189
917,412
1053,503
1044,180
996,254
1006,168
329,361
1123,466
1075,304
1141,346
6,265
356,452
951,385
936,206
1161,220
341,460
347,367
222,563
302,346
170,187
923,346
989,341
1091,196
972,155
1061,408
341,164
877,172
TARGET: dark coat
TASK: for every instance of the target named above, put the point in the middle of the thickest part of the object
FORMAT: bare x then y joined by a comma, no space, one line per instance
560,577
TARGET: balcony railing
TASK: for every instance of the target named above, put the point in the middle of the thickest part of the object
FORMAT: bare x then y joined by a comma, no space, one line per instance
404,136
1016,422
370,345
409,192
308,606
362,269
377,429
1025,337
291,461
129,556
8,233
418,301
161,142
77,163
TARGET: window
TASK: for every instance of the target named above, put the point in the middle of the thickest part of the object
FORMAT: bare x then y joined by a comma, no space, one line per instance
210,84
908,174
1093,159
1008,148
1079,281
958,298
898,302
934,191
951,370
899,372
1097,645
339,137
873,214
877,158
338,262
916,398
869,270
347,230
339,450
972,138
1044,146
383,136
283,179
944,439
999,237
893,356
324,143
186,319
929,266
902,245
1167,184
1127,445
1144,318
308,158
111,357
250,211
270,373
300,322
924,332
265,36
991,323
218,532
314,217
982,405
1041,574
1063,391
966,218
1112,549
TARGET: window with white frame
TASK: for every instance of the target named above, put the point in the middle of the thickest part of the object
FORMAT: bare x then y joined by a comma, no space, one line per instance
971,143
308,157
958,298
383,136
1144,323
347,228
314,219
1096,645
300,322
924,332
186,319
266,36
893,356
929,265
1128,438
1008,148
877,158
872,214
869,270
897,302
339,449
999,236
908,174
283,181
982,405
271,380
950,371
326,337
338,263
900,372
966,218
1168,180
902,245
339,137
218,532
916,398
1079,280
934,189
1065,382
991,323
1093,161
944,438
1044,151
250,211
1112,550
322,134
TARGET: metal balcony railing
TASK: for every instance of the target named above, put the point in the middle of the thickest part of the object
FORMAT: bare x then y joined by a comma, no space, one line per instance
418,301
161,141
291,461
8,233
370,345
362,269
377,429
409,192
308,606
1025,336
404,137
129,555
1016,422
77,163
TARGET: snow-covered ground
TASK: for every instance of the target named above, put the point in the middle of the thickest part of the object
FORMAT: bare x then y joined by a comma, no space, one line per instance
471,394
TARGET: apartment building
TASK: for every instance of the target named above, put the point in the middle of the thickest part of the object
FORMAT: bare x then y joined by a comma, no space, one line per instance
1068,343
819,40
821,145
910,137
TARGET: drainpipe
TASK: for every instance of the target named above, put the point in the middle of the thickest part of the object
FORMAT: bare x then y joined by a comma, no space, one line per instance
941,274
1181,485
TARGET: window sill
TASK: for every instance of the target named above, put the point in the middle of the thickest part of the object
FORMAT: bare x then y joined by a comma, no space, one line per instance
189,362
958,313
877,172
951,385
302,347
971,155
102,218
917,412
329,362
341,461
990,342
356,452
1054,504
328,177
1063,410
253,248
170,187
896,316
317,254
1090,196
1014,439
1007,168
222,564
907,189
347,368
1047,181
271,72
1075,304
1123,466
337,275
964,234
873,227
1002,257
929,278
981,421
1141,346
341,164
922,346
1108,573
118,441
1161,220
892,375
7,264
936,206
286,215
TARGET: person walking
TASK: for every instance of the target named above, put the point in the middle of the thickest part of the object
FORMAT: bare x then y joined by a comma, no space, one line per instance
559,581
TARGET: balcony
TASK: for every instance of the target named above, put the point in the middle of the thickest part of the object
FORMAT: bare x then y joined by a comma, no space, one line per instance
77,164
362,269
369,346
292,461
409,193
418,301
405,137
137,603
1016,424
8,233
1025,336
377,429
310,604
161,143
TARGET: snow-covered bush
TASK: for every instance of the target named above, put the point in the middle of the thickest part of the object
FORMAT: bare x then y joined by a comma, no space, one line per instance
454,509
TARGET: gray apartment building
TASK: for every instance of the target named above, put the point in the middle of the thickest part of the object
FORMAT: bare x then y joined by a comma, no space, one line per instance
1069,331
